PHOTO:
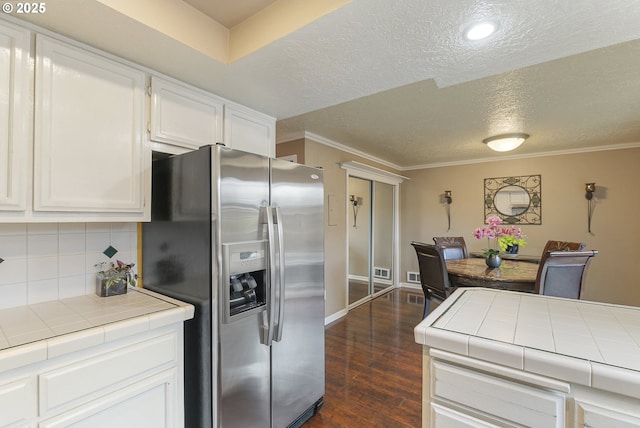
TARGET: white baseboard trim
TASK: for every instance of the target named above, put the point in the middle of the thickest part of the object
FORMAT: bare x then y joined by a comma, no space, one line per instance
411,285
341,313
359,278
336,316
366,279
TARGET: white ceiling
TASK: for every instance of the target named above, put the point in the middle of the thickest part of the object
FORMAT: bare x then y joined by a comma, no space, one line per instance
395,80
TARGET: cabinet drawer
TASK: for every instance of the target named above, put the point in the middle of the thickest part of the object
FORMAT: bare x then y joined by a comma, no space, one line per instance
589,415
442,416
497,397
17,401
99,375
148,403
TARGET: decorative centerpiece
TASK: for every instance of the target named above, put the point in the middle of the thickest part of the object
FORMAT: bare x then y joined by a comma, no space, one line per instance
513,241
114,278
508,238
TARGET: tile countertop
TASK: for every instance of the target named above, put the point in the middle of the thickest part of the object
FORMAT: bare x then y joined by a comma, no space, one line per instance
587,343
38,332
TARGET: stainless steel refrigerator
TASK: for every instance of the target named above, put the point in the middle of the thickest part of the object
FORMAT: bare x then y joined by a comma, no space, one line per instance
240,236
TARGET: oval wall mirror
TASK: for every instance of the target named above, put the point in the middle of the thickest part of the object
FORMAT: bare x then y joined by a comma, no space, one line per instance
511,200
516,200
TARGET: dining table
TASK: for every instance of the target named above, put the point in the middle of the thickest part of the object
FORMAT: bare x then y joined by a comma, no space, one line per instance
530,258
512,274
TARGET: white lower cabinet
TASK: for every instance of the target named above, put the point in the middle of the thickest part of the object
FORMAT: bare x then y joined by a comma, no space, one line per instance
18,400
143,404
497,400
596,409
132,382
447,417
588,415
464,392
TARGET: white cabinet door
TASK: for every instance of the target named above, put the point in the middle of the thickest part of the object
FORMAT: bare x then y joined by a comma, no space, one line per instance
15,114
184,116
148,403
90,148
18,402
591,416
249,130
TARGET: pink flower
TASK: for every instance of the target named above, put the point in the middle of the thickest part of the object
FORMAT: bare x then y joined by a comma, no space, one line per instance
504,235
494,221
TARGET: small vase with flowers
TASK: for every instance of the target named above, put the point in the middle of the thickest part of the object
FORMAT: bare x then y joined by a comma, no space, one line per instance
507,238
114,278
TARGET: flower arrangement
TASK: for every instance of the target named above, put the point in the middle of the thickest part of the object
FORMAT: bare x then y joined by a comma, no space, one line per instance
112,274
504,236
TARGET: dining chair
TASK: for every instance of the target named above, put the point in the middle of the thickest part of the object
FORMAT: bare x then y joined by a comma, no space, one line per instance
453,247
433,274
562,246
563,273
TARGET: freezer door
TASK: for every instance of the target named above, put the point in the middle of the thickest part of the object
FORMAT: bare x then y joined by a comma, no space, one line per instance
298,356
244,365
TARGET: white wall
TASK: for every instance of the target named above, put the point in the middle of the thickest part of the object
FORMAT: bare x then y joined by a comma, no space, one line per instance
48,261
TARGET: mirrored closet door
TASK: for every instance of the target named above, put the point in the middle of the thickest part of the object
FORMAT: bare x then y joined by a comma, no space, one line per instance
372,229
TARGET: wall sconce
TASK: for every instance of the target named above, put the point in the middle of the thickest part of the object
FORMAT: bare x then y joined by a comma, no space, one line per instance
589,189
447,199
355,201
505,142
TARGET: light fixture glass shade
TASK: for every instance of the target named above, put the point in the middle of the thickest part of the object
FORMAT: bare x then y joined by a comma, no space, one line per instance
505,142
480,30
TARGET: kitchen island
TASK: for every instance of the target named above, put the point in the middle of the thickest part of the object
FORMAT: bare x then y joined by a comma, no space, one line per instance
94,361
502,358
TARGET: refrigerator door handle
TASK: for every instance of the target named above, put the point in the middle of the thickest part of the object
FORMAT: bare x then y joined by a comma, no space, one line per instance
280,321
271,314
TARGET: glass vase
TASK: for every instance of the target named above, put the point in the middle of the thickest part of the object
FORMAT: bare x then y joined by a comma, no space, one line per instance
111,283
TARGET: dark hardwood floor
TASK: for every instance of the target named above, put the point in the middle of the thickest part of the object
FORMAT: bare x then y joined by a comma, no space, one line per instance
373,365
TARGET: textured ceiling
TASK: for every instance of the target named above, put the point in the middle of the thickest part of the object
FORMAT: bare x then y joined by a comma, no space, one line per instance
583,101
396,80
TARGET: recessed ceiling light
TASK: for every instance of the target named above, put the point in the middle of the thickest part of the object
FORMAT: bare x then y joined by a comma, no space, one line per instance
480,30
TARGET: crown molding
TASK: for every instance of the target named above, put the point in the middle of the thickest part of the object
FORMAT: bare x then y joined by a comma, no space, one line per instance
525,156
322,140
334,144
371,172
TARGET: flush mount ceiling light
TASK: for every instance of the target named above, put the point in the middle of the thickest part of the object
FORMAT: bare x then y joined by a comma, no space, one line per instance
480,30
505,142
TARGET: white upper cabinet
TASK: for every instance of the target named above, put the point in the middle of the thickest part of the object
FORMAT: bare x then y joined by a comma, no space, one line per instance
91,155
15,95
184,116
249,130
74,143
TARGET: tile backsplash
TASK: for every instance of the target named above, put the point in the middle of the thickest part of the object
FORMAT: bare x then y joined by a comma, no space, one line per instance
49,261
